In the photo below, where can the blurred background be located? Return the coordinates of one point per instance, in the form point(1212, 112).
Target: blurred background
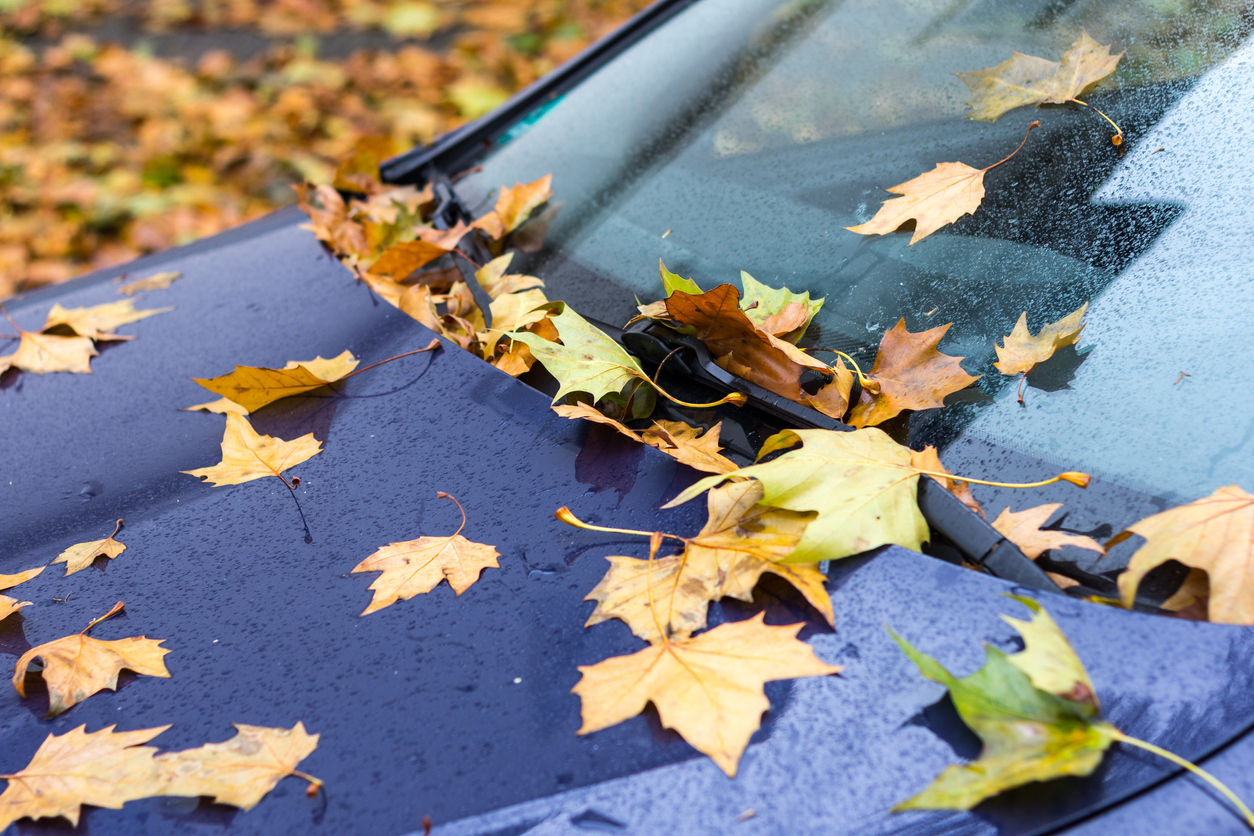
point(128, 126)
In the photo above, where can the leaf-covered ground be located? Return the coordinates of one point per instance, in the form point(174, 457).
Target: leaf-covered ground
point(128, 126)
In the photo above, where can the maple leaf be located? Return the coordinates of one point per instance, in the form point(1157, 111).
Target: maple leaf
point(1021, 352)
point(934, 199)
point(329, 221)
point(359, 171)
point(1023, 528)
point(685, 443)
point(239, 771)
point(778, 311)
point(927, 459)
point(1035, 711)
point(44, 353)
point(157, 281)
point(708, 688)
point(99, 321)
point(82, 555)
point(403, 258)
point(247, 455)
point(222, 406)
point(77, 666)
point(496, 282)
point(252, 387)
point(1214, 534)
point(738, 543)
point(104, 768)
point(672, 282)
point(8, 605)
point(1027, 80)
point(514, 206)
point(737, 345)
point(415, 567)
point(910, 373)
point(861, 483)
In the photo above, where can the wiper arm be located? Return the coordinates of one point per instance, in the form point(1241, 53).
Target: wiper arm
point(449, 211)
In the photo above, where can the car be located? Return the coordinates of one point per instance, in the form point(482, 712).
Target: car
point(719, 135)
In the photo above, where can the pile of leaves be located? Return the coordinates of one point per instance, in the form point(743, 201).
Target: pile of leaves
point(108, 152)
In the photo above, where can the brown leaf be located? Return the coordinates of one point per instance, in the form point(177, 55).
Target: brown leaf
point(239, 771)
point(329, 221)
point(927, 459)
point(253, 387)
point(82, 555)
point(157, 281)
point(247, 455)
point(1023, 528)
point(399, 260)
point(591, 413)
point(1022, 352)
point(1025, 79)
point(104, 769)
point(707, 688)
point(738, 346)
point(77, 666)
point(415, 567)
point(359, 172)
point(693, 446)
point(1214, 534)
point(911, 373)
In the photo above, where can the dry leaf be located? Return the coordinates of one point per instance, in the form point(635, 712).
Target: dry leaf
point(104, 769)
point(8, 605)
point(707, 688)
point(247, 455)
point(927, 459)
point(1023, 528)
point(911, 374)
point(1025, 79)
point(252, 387)
point(222, 406)
point(591, 413)
point(77, 666)
point(99, 321)
point(777, 311)
point(415, 567)
point(496, 282)
point(157, 281)
point(399, 260)
point(1192, 599)
point(693, 446)
point(1214, 534)
point(514, 206)
point(239, 771)
point(82, 555)
point(43, 353)
point(1022, 352)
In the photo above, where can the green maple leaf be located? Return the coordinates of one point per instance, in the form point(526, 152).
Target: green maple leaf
point(761, 302)
point(586, 360)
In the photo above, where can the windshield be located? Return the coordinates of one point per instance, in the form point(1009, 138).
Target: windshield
point(746, 135)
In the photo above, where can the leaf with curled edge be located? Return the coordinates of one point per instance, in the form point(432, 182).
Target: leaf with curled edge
point(707, 687)
point(77, 666)
point(778, 311)
point(252, 387)
point(246, 455)
point(99, 321)
point(496, 282)
point(8, 605)
point(45, 353)
point(687, 444)
point(910, 373)
point(239, 771)
point(1027, 80)
point(1021, 352)
point(81, 555)
point(515, 205)
point(1023, 528)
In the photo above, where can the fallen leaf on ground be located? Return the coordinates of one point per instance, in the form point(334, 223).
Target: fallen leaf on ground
point(82, 555)
point(77, 666)
point(708, 688)
point(247, 455)
point(777, 311)
point(222, 406)
point(514, 206)
point(239, 771)
point(44, 353)
point(104, 769)
point(415, 567)
point(252, 387)
point(1023, 528)
point(927, 459)
point(157, 281)
point(1214, 534)
point(737, 345)
point(99, 321)
point(586, 360)
point(738, 543)
point(861, 484)
point(8, 605)
point(1021, 352)
point(1035, 711)
point(1027, 80)
point(910, 373)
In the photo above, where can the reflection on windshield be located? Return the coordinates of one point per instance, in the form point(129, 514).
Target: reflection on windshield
point(754, 131)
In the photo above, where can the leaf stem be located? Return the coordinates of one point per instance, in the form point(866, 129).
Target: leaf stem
point(1115, 140)
point(1034, 125)
point(10, 319)
point(1075, 478)
point(736, 398)
point(861, 377)
point(443, 495)
point(117, 608)
point(116, 529)
point(655, 543)
point(434, 344)
point(564, 514)
point(1195, 769)
point(314, 783)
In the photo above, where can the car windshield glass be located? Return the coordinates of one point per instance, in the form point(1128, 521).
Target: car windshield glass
point(746, 135)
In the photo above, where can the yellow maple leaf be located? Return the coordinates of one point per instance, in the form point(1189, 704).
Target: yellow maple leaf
point(1027, 80)
point(77, 666)
point(253, 387)
point(222, 406)
point(1021, 352)
point(696, 447)
point(415, 567)
point(44, 353)
point(81, 555)
point(247, 455)
point(1214, 534)
point(708, 688)
point(99, 321)
point(104, 768)
point(239, 771)
point(1023, 528)
point(8, 605)
point(934, 199)
point(157, 281)
point(514, 205)
point(496, 282)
